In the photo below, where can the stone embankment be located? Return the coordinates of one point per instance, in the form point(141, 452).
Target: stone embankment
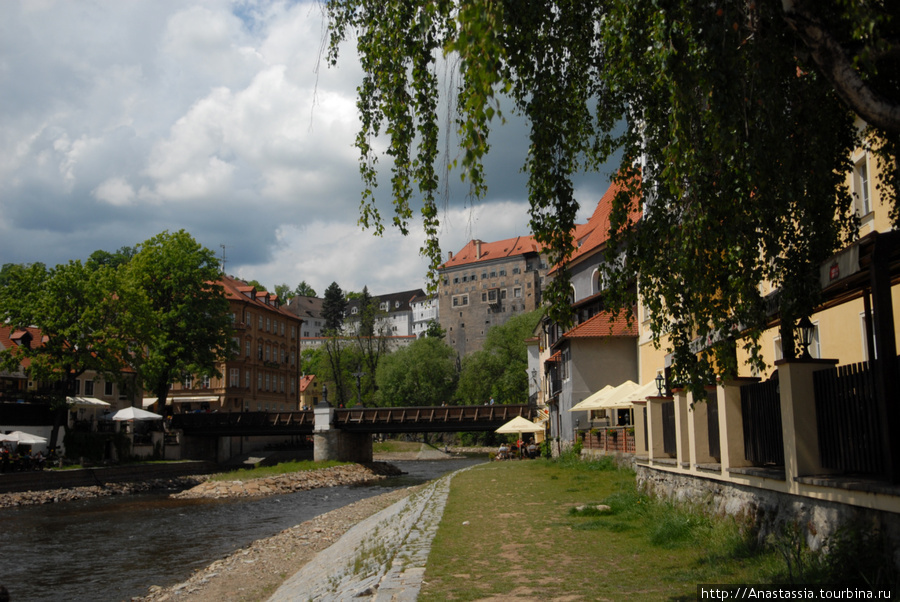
point(349, 474)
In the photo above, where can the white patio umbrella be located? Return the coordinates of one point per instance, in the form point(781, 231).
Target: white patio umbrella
point(590, 403)
point(86, 402)
point(520, 425)
point(133, 413)
point(23, 438)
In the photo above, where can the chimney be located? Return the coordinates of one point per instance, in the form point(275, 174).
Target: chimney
point(477, 249)
point(449, 255)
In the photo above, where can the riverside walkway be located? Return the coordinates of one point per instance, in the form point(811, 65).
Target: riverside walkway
point(381, 559)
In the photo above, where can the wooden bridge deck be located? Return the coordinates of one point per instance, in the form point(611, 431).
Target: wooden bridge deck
point(361, 420)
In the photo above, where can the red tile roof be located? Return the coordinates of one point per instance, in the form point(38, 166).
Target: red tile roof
point(239, 290)
point(604, 324)
point(595, 233)
point(306, 381)
point(511, 247)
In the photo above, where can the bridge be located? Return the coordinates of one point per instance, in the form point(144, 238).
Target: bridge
point(341, 433)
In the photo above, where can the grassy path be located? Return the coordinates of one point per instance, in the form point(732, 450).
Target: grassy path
point(514, 530)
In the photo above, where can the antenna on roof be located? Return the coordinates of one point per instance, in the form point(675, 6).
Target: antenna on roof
point(223, 258)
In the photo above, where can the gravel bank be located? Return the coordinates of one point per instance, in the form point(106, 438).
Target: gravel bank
point(51, 496)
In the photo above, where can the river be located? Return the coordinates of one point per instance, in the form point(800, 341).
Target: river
point(115, 548)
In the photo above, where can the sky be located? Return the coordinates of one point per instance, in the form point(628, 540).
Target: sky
point(121, 120)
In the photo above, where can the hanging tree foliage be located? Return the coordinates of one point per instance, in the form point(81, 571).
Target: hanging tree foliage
point(734, 121)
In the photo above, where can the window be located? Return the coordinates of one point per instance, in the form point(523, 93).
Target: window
point(268, 353)
point(260, 322)
point(282, 385)
point(267, 381)
point(516, 270)
point(460, 300)
point(517, 292)
point(456, 280)
point(236, 344)
point(249, 319)
point(77, 387)
point(268, 324)
point(108, 388)
point(247, 348)
point(282, 356)
point(493, 274)
point(88, 388)
point(294, 332)
point(234, 377)
point(259, 352)
point(503, 293)
point(861, 187)
point(247, 379)
point(503, 272)
point(483, 275)
point(259, 381)
point(187, 381)
point(205, 384)
point(293, 357)
point(293, 386)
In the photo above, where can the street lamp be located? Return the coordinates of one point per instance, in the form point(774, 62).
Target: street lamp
point(660, 383)
point(806, 329)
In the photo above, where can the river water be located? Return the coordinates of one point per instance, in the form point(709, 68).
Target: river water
point(115, 548)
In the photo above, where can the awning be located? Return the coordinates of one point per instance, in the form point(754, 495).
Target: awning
point(86, 402)
point(591, 402)
point(149, 401)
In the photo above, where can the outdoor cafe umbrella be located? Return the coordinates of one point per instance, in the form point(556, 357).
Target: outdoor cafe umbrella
point(23, 438)
point(133, 413)
point(520, 425)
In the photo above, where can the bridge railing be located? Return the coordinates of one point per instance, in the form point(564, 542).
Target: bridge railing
point(429, 418)
point(242, 420)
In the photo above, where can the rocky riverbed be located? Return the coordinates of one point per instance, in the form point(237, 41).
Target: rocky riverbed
point(254, 572)
point(200, 486)
point(348, 474)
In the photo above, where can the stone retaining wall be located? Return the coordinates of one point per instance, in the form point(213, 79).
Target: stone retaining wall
point(768, 511)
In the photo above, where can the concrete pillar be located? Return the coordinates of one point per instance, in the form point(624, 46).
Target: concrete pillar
point(798, 417)
point(334, 444)
point(731, 423)
point(698, 431)
point(640, 442)
point(342, 446)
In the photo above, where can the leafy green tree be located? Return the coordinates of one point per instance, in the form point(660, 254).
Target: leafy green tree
point(371, 341)
point(304, 290)
point(183, 325)
point(733, 121)
point(435, 331)
point(284, 292)
point(333, 306)
point(78, 313)
point(499, 370)
point(422, 374)
point(257, 285)
point(105, 258)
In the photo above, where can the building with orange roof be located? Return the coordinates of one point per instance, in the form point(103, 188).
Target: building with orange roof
point(485, 284)
point(263, 373)
point(310, 391)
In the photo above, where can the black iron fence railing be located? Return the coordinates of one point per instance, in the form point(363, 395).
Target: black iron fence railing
point(668, 424)
point(712, 423)
point(761, 412)
point(847, 419)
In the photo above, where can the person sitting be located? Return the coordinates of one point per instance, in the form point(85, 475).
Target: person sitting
point(503, 452)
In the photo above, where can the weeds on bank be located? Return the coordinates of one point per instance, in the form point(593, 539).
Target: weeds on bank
point(271, 471)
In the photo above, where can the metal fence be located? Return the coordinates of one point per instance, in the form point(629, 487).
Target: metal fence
point(668, 424)
point(761, 410)
point(847, 419)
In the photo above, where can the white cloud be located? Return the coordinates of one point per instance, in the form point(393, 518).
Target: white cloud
point(115, 191)
point(124, 119)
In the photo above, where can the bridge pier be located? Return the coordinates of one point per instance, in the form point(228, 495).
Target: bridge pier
point(330, 443)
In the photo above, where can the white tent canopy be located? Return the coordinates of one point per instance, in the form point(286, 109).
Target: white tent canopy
point(592, 400)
